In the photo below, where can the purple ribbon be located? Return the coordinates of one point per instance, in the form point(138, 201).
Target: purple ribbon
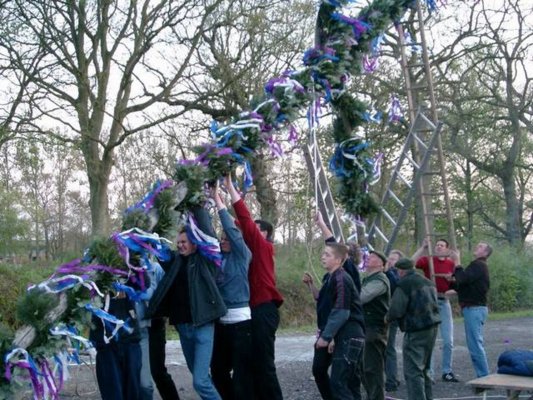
point(38, 390)
point(49, 380)
point(359, 27)
point(395, 110)
point(370, 64)
point(147, 203)
point(75, 267)
point(293, 135)
point(274, 146)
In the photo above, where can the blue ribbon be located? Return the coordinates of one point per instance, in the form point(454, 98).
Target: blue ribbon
point(248, 180)
point(131, 293)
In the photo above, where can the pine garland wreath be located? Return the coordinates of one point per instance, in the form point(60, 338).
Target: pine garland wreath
point(80, 285)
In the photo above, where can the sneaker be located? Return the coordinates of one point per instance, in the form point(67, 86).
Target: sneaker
point(449, 377)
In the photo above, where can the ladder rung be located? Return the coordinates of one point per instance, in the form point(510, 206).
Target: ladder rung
point(420, 142)
point(404, 180)
point(431, 172)
point(381, 234)
point(418, 87)
point(410, 44)
point(388, 216)
point(393, 195)
point(416, 65)
point(415, 164)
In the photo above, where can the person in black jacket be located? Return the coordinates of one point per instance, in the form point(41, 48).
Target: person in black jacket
point(353, 259)
point(193, 304)
point(341, 330)
point(472, 285)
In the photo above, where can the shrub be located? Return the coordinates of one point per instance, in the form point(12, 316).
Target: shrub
point(291, 262)
point(14, 279)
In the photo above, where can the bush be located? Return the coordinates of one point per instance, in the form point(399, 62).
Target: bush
point(511, 279)
point(291, 262)
point(14, 279)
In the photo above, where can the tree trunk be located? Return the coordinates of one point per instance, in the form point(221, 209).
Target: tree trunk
point(470, 205)
point(266, 195)
point(512, 212)
point(99, 202)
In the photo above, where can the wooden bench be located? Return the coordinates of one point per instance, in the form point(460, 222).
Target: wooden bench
point(513, 384)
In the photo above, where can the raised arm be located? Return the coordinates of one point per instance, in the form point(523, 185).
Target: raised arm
point(326, 232)
point(233, 234)
point(204, 221)
point(421, 251)
point(250, 231)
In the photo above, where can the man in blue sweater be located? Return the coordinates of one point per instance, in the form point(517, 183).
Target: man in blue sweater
point(233, 336)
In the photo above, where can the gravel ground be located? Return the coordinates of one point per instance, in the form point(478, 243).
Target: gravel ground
point(294, 355)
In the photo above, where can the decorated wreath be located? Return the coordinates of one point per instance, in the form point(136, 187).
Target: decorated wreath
point(58, 311)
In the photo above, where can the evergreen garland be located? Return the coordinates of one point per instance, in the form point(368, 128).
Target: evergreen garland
point(342, 43)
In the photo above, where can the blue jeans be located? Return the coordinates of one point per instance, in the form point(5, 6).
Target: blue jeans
point(197, 346)
point(474, 320)
point(147, 387)
point(446, 334)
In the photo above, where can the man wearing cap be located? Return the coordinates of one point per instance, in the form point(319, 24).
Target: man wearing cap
point(415, 306)
point(375, 296)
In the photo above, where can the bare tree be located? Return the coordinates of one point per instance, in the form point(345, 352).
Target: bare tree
point(490, 110)
point(102, 70)
point(251, 42)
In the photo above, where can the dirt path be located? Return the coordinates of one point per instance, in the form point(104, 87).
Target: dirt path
point(294, 355)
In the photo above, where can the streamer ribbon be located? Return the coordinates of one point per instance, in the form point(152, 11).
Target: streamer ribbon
point(207, 245)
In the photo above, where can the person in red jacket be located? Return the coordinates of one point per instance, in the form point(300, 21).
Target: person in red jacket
point(264, 297)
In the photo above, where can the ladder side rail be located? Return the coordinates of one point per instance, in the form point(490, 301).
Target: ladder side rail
point(426, 62)
point(404, 63)
point(325, 197)
point(394, 177)
point(410, 196)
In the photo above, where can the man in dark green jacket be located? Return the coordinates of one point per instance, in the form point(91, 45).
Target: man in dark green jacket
point(375, 296)
point(414, 304)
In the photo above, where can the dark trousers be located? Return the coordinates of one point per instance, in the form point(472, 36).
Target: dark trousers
point(265, 321)
point(345, 368)
point(391, 359)
point(163, 380)
point(374, 362)
point(232, 351)
point(345, 362)
point(118, 370)
point(417, 350)
point(321, 363)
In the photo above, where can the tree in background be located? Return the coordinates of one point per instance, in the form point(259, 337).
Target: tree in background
point(488, 100)
point(250, 42)
point(102, 71)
